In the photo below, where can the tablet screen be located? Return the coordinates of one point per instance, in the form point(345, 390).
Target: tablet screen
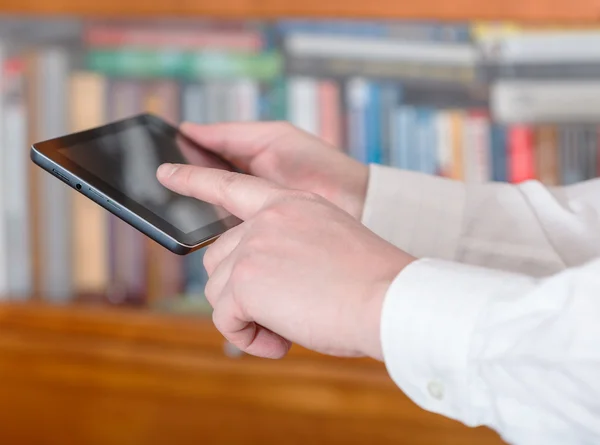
point(127, 159)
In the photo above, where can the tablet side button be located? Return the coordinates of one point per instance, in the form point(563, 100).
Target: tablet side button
point(113, 206)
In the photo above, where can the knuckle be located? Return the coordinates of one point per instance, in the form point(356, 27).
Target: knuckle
point(272, 215)
point(185, 176)
point(209, 259)
point(302, 195)
point(244, 269)
point(210, 291)
point(284, 128)
point(227, 181)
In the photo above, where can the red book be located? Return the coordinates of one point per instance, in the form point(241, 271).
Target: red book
point(182, 39)
point(521, 159)
point(598, 153)
point(330, 112)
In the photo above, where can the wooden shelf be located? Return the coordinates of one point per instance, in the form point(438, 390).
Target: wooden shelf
point(579, 11)
point(95, 376)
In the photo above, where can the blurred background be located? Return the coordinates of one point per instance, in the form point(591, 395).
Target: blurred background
point(106, 338)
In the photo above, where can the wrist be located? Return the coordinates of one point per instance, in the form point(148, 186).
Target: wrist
point(354, 191)
point(371, 344)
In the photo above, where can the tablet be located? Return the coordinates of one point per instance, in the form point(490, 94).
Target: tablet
point(115, 166)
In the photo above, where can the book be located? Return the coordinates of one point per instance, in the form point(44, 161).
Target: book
point(4, 259)
point(88, 94)
point(302, 101)
point(15, 171)
point(521, 149)
point(190, 65)
point(55, 197)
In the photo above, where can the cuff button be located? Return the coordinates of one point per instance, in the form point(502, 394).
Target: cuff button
point(436, 389)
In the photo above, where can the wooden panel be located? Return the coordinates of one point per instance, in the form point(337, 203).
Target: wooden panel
point(97, 376)
point(581, 11)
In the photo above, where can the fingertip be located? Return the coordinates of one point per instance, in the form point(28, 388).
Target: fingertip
point(165, 171)
point(187, 127)
point(269, 345)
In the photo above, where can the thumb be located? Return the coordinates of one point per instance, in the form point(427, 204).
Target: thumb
point(239, 194)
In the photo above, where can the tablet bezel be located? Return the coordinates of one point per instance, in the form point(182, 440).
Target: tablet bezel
point(50, 149)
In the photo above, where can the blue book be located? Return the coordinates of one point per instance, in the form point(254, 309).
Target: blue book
point(499, 153)
point(423, 157)
point(195, 274)
point(373, 125)
point(403, 137)
point(391, 97)
point(334, 27)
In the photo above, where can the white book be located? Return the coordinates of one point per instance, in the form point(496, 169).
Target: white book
point(55, 196)
point(302, 103)
point(357, 99)
point(443, 128)
point(559, 101)
point(247, 93)
point(544, 47)
point(193, 103)
point(373, 48)
point(3, 190)
point(476, 150)
point(16, 163)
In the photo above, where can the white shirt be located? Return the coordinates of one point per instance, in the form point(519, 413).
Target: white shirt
point(498, 323)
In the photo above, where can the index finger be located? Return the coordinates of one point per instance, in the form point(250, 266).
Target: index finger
point(241, 195)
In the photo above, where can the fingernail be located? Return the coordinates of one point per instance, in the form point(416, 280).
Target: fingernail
point(167, 170)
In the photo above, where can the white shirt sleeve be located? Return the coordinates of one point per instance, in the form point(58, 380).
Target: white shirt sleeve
point(527, 228)
point(499, 323)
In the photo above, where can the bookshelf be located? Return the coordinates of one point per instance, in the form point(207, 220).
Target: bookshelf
point(580, 11)
point(130, 377)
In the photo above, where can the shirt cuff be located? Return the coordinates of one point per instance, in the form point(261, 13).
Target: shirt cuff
point(421, 214)
point(429, 334)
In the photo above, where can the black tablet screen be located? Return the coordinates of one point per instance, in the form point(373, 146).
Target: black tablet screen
point(127, 159)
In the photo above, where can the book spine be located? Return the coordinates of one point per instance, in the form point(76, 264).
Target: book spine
point(195, 276)
point(246, 101)
point(457, 128)
point(4, 288)
point(351, 47)
point(330, 113)
point(443, 130)
point(597, 152)
point(591, 152)
point(87, 94)
point(303, 104)
point(499, 153)
point(55, 197)
point(521, 154)
point(480, 127)
point(415, 72)
point(128, 250)
point(404, 140)
point(275, 100)
point(162, 98)
point(193, 100)
point(192, 39)
point(373, 125)
point(546, 155)
point(564, 101)
point(16, 163)
point(390, 100)
point(357, 101)
point(194, 65)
